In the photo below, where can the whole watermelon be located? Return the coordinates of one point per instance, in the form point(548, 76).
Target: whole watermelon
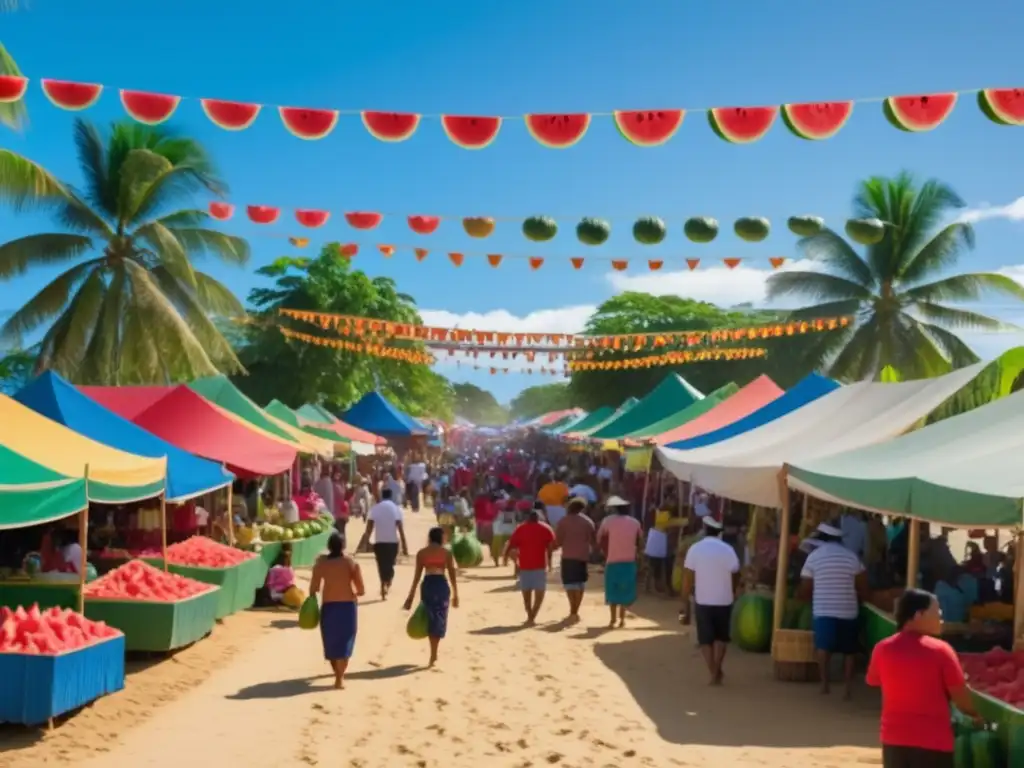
point(417, 626)
point(752, 622)
point(463, 551)
point(309, 613)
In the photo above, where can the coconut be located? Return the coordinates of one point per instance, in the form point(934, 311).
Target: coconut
point(701, 229)
point(865, 231)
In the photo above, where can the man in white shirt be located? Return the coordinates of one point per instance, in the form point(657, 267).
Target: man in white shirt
point(711, 573)
point(415, 476)
point(384, 524)
point(395, 487)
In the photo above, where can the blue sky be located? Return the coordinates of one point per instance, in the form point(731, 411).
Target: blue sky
point(480, 57)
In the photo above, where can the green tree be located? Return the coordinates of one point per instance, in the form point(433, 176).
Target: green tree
point(297, 373)
point(544, 398)
point(16, 366)
point(130, 308)
point(478, 405)
point(899, 289)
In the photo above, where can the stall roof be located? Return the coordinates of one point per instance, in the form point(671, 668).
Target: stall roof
point(53, 397)
point(191, 422)
point(552, 417)
point(684, 416)
point(317, 414)
point(590, 421)
point(569, 423)
point(115, 477)
point(627, 405)
point(31, 494)
point(746, 468)
point(375, 413)
point(963, 471)
point(672, 395)
point(325, 431)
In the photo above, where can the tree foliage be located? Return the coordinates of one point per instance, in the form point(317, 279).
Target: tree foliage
point(298, 373)
point(16, 367)
point(478, 405)
point(544, 398)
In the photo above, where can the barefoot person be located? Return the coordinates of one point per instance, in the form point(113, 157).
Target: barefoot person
point(436, 566)
point(534, 541)
point(339, 577)
point(619, 536)
point(384, 523)
point(575, 534)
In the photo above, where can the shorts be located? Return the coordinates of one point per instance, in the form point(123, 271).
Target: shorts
point(915, 757)
point(713, 623)
point(533, 581)
point(833, 635)
point(574, 575)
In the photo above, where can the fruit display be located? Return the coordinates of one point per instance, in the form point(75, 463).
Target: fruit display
point(138, 580)
point(916, 114)
point(752, 229)
point(390, 126)
point(557, 131)
point(701, 229)
point(752, 622)
point(997, 673)
point(593, 231)
point(417, 626)
point(805, 226)
point(649, 230)
point(201, 552)
point(540, 228)
point(741, 125)
point(471, 132)
point(865, 231)
point(478, 226)
point(648, 128)
point(230, 115)
point(1003, 106)
point(310, 124)
point(292, 532)
point(817, 121)
point(149, 108)
point(49, 632)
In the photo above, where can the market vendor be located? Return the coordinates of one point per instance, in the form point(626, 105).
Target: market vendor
point(60, 551)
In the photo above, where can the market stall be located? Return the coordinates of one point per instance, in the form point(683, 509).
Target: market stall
point(674, 395)
point(375, 413)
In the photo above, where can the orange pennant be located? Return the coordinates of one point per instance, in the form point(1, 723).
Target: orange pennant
point(456, 259)
point(421, 253)
point(387, 251)
point(693, 263)
point(494, 259)
point(348, 250)
point(536, 262)
point(731, 263)
point(620, 264)
point(777, 261)
point(577, 262)
point(299, 242)
point(655, 265)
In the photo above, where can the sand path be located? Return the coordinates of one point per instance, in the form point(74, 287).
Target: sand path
point(503, 696)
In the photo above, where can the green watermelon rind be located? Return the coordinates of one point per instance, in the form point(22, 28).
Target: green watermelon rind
point(805, 226)
point(537, 131)
point(700, 229)
point(540, 229)
point(620, 116)
point(793, 124)
point(732, 138)
point(753, 229)
point(593, 231)
point(866, 232)
point(903, 123)
point(992, 111)
point(751, 625)
point(649, 230)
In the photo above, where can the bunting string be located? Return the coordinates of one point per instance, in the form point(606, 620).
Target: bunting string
point(412, 356)
point(680, 357)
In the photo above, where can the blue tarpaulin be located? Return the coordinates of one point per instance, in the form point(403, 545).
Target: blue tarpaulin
point(808, 389)
point(56, 399)
point(376, 414)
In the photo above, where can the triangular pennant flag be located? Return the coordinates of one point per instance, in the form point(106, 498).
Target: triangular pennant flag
point(494, 259)
point(456, 258)
point(577, 262)
point(620, 265)
point(421, 253)
point(777, 261)
point(536, 262)
point(655, 264)
point(348, 250)
point(299, 242)
point(731, 263)
point(387, 251)
point(693, 263)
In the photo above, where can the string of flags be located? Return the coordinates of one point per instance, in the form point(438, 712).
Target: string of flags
point(412, 356)
point(670, 358)
point(643, 127)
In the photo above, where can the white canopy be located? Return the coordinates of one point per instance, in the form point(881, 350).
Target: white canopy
point(746, 467)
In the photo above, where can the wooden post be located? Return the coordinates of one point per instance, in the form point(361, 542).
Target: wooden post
point(643, 506)
point(1018, 592)
point(679, 497)
point(231, 517)
point(913, 553)
point(782, 569)
point(83, 544)
point(163, 526)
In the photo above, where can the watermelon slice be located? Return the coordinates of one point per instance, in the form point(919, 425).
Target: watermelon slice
point(363, 219)
point(741, 125)
point(71, 96)
point(348, 250)
point(557, 131)
point(391, 126)
point(816, 121)
point(312, 219)
point(310, 124)
point(471, 132)
point(916, 114)
point(230, 115)
point(424, 225)
point(1004, 106)
point(222, 211)
point(649, 128)
point(12, 88)
point(262, 214)
point(149, 108)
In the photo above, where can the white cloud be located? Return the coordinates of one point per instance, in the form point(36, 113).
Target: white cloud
point(560, 320)
point(1012, 212)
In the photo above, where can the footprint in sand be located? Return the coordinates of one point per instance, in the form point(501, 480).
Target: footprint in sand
point(554, 757)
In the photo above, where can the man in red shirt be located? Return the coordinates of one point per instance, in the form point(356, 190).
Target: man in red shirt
point(535, 542)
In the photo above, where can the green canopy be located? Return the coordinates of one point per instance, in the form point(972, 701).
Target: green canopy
point(686, 415)
point(220, 391)
point(564, 423)
point(31, 494)
point(628, 404)
point(279, 410)
point(672, 395)
point(317, 413)
point(591, 420)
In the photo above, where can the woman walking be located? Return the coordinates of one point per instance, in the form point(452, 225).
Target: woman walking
point(436, 566)
point(341, 581)
point(619, 536)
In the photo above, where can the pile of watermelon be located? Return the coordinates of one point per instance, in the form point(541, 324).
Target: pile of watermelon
point(141, 581)
point(202, 552)
point(998, 673)
point(49, 632)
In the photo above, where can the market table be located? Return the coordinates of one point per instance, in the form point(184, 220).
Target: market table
point(48, 594)
point(158, 626)
point(237, 584)
point(305, 551)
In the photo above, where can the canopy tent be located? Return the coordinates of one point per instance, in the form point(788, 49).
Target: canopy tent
point(115, 477)
point(567, 424)
point(807, 390)
point(673, 394)
point(552, 417)
point(279, 410)
point(686, 415)
point(53, 397)
point(31, 494)
point(627, 405)
point(592, 420)
point(375, 413)
point(319, 415)
point(963, 471)
point(750, 398)
point(191, 422)
point(746, 467)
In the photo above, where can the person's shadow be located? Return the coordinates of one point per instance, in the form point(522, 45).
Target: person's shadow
point(299, 686)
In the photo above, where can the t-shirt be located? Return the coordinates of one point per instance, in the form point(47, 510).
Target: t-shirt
point(484, 510)
point(417, 473)
point(289, 511)
point(583, 492)
point(621, 533)
point(202, 517)
point(713, 563)
point(575, 534)
point(657, 543)
point(553, 494)
point(532, 541)
point(72, 554)
point(833, 569)
point(916, 674)
point(324, 488)
point(385, 516)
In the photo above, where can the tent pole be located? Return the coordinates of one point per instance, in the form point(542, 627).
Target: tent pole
point(163, 525)
point(1018, 593)
point(83, 544)
point(231, 520)
point(913, 553)
point(782, 568)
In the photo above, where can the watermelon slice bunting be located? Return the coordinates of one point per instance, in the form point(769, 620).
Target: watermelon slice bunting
point(230, 115)
point(916, 114)
point(12, 88)
point(558, 131)
point(391, 126)
point(471, 132)
point(71, 96)
point(262, 214)
point(817, 121)
point(309, 124)
point(363, 219)
point(741, 125)
point(424, 225)
point(149, 108)
point(348, 250)
point(1004, 106)
point(312, 219)
point(222, 211)
point(649, 127)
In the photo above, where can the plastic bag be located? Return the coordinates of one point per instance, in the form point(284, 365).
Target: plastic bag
point(418, 626)
point(309, 613)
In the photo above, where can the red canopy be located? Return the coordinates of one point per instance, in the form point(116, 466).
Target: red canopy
point(352, 433)
point(184, 418)
point(752, 397)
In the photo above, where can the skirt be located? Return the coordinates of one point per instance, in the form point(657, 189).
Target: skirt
point(485, 533)
point(620, 583)
point(338, 627)
point(498, 542)
point(385, 553)
point(436, 595)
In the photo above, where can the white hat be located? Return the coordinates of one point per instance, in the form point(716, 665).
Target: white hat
point(809, 545)
point(616, 501)
point(829, 530)
point(711, 522)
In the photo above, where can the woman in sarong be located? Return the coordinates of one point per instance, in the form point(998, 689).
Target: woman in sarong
point(341, 580)
point(436, 567)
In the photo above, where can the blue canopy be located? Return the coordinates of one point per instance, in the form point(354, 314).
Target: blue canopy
point(376, 414)
point(187, 476)
point(808, 389)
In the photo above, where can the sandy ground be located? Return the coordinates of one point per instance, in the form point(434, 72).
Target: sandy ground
point(257, 693)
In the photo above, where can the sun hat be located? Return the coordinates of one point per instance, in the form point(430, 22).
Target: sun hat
point(616, 501)
point(711, 522)
point(829, 530)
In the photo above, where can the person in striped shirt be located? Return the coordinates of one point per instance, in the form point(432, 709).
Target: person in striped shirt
point(834, 579)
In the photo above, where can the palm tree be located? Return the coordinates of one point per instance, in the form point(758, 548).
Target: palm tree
point(12, 115)
point(899, 291)
point(130, 308)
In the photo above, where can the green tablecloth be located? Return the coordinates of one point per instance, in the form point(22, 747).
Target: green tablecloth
point(306, 551)
point(237, 584)
point(46, 594)
point(152, 626)
point(269, 553)
point(878, 625)
point(1010, 724)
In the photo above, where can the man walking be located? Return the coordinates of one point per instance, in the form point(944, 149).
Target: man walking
point(575, 534)
point(384, 523)
point(534, 541)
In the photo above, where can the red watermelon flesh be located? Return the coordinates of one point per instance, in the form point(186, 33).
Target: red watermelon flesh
point(230, 115)
point(558, 131)
point(206, 553)
point(424, 225)
point(71, 96)
point(149, 108)
point(308, 124)
point(262, 214)
point(12, 88)
point(1004, 106)
point(138, 580)
point(222, 211)
point(49, 632)
point(471, 132)
point(649, 127)
point(348, 250)
point(363, 219)
point(816, 121)
point(741, 125)
point(391, 126)
point(312, 219)
point(916, 114)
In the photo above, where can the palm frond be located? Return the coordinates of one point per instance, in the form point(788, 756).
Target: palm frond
point(24, 183)
point(16, 256)
point(48, 303)
point(100, 363)
point(216, 298)
point(938, 253)
point(841, 308)
point(859, 356)
point(953, 347)
point(173, 183)
point(198, 241)
point(92, 158)
point(967, 287)
point(139, 171)
point(830, 249)
point(815, 286)
point(64, 345)
point(953, 317)
point(168, 250)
